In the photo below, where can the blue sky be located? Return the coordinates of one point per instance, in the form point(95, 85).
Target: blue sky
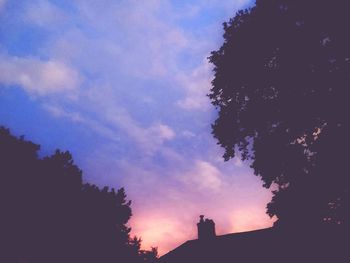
point(122, 85)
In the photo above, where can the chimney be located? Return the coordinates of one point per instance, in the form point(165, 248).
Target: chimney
point(206, 228)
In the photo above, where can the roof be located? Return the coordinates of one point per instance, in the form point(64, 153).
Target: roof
point(219, 248)
point(265, 245)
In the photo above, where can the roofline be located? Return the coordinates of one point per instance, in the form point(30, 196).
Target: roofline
point(220, 236)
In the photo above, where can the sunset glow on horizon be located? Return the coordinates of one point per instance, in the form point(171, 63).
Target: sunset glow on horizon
point(122, 85)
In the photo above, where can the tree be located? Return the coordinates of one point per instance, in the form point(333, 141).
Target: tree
point(281, 85)
point(49, 215)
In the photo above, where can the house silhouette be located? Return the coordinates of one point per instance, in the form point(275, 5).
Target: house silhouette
point(264, 245)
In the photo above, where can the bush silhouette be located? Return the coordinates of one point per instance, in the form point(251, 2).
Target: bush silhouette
point(49, 215)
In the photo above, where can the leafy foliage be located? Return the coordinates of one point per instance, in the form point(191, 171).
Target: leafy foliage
point(49, 215)
point(282, 79)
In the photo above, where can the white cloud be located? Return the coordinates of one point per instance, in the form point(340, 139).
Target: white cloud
point(44, 14)
point(37, 76)
point(2, 5)
point(196, 84)
point(188, 134)
point(148, 38)
point(77, 118)
point(203, 176)
point(237, 162)
point(162, 131)
point(148, 139)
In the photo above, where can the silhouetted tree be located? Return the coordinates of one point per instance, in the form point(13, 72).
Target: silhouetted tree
point(282, 79)
point(49, 215)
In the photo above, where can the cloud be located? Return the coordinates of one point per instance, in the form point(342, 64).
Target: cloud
point(237, 162)
point(37, 76)
point(147, 38)
point(188, 134)
point(76, 117)
point(162, 131)
point(203, 176)
point(2, 5)
point(196, 84)
point(149, 227)
point(248, 218)
point(44, 14)
point(148, 139)
point(175, 201)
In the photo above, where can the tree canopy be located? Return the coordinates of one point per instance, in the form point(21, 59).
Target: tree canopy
point(281, 85)
point(49, 215)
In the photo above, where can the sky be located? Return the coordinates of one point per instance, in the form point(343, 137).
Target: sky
point(122, 85)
